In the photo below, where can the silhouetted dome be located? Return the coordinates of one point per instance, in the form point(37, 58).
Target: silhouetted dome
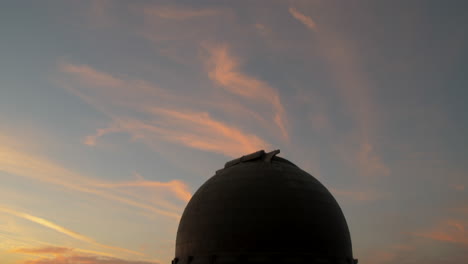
point(262, 209)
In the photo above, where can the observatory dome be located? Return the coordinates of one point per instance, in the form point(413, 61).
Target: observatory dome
point(261, 208)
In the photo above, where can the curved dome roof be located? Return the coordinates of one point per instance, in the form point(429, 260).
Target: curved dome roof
point(262, 208)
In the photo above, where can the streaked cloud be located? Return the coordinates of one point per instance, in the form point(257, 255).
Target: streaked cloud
point(389, 254)
point(99, 13)
point(43, 250)
point(355, 91)
point(357, 195)
point(207, 133)
point(90, 76)
point(196, 130)
point(35, 167)
point(451, 231)
point(179, 12)
point(179, 188)
point(306, 20)
point(458, 187)
point(262, 29)
point(84, 259)
point(370, 163)
point(54, 250)
point(223, 69)
point(123, 101)
point(363, 157)
point(320, 122)
point(62, 255)
point(63, 230)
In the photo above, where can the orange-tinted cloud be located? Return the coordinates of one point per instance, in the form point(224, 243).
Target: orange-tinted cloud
point(458, 187)
point(355, 91)
point(306, 20)
point(179, 188)
point(99, 13)
point(63, 230)
point(43, 250)
point(388, 254)
point(264, 30)
point(370, 163)
point(320, 122)
point(91, 140)
point(194, 130)
point(62, 255)
point(363, 158)
point(27, 165)
point(180, 13)
point(83, 259)
point(206, 133)
point(452, 231)
point(223, 70)
point(121, 100)
point(90, 76)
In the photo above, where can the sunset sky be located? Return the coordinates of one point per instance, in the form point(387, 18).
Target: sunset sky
point(113, 113)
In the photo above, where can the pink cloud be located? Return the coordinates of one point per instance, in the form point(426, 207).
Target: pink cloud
point(63, 230)
point(320, 122)
point(83, 259)
point(180, 13)
point(306, 20)
point(63, 255)
point(370, 163)
point(388, 254)
point(223, 70)
point(451, 231)
point(43, 250)
point(355, 90)
point(91, 76)
point(35, 167)
point(208, 133)
point(458, 187)
point(179, 188)
point(121, 100)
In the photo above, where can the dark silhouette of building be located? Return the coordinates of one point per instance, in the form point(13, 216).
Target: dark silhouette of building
point(261, 208)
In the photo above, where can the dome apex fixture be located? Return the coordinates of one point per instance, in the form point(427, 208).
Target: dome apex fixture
point(261, 208)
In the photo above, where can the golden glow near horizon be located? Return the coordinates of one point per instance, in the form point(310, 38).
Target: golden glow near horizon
point(113, 113)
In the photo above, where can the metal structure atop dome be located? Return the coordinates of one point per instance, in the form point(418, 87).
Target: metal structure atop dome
point(261, 208)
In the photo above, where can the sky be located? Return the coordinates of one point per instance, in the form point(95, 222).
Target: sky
point(113, 113)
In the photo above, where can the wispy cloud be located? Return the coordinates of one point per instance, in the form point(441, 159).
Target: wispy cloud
point(62, 255)
point(179, 12)
point(458, 187)
point(369, 162)
point(90, 76)
point(306, 20)
point(63, 230)
point(35, 167)
point(451, 231)
point(224, 70)
point(207, 133)
point(262, 29)
point(355, 91)
point(42, 250)
point(100, 15)
point(84, 259)
point(389, 254)
point(179, 188)
point(356, 95)
point(53, 250)
point(131, 107)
